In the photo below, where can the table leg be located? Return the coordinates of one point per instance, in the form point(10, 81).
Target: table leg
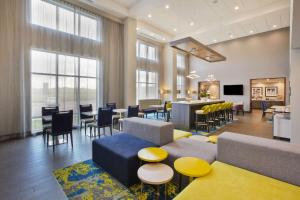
point(166, 190)
point(158, 192)
point(142, 185)
point(180, 177)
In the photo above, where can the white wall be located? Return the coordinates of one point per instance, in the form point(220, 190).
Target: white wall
point(263, 55)
point(295, 72)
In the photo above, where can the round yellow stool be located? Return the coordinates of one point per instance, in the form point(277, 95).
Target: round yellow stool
point(152, 154)
point(191, 167)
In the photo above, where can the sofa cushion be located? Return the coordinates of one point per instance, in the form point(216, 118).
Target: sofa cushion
point(276, 159)
point(191, 148)
point(178, 134)
point(118, 156)
point(229, 182)
point(157, 132)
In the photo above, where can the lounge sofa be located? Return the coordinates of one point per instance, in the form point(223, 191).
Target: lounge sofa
point(146, 103)
point(249, 168)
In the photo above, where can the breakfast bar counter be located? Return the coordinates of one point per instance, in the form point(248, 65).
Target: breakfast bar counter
point(183, 112)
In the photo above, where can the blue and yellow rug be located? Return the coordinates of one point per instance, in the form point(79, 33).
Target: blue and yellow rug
point(88, 181)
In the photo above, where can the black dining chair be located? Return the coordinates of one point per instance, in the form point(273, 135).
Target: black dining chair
point(133, 111)
point(62, 124)
point(104, 120)
point(163, 111)
point(115, 116)
point(84, 118)
point(47, 118)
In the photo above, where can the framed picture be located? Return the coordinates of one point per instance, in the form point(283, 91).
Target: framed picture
point(257, 91)
point(271, 91)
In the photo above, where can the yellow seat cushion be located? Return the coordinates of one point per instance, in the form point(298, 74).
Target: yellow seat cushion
point(227, 182)
point(213, 139)
point(178, 134)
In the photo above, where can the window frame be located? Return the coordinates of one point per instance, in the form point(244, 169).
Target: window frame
point(57, 76)
point(75, 12)
point(147, 83)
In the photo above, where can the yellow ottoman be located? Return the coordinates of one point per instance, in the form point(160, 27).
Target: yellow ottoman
point(178, 134)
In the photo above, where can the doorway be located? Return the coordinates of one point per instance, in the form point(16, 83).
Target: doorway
point(270, 90)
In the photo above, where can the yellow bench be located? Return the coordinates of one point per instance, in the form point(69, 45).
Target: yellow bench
point(227, 182)
point(178, 134)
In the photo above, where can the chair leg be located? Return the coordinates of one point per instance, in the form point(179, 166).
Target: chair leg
point(53, 145)
point(104, 130)
point(110, 128)
point(99, 133)
point(85, 128)
point(47, 140)
point(71, 135)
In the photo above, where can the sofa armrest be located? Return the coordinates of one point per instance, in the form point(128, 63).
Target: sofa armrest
point(276, 159)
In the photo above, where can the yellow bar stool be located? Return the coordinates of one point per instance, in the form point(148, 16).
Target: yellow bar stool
point(202, 117)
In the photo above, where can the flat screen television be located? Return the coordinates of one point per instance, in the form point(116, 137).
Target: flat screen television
point(233, 90)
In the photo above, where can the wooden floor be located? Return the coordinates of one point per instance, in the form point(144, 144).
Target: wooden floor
point(26, 165)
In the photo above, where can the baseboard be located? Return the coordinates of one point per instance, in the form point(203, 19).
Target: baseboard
point(14, 136)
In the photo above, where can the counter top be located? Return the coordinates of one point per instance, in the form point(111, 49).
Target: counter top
point(198, 102)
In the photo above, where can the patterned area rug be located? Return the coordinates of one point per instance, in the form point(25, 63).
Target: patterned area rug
point(87, 181)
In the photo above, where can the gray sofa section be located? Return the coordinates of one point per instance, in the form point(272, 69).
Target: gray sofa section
point(192, 148)
point(276, 159)
point(157, 132)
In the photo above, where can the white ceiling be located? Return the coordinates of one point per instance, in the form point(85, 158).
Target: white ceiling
point(214, 20)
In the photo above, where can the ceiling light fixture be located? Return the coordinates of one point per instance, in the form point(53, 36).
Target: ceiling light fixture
point(274, 26)
point(137, 28)
point(236, 8)
point(231, 36)
point(163, 39)
point(167, 6)
point(149, 15)
point(175, 29)
point(192, 23)
point(251, 31)
point(214, 40)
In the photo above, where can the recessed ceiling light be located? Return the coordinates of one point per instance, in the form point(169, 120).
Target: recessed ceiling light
point(192, 23)
point(236, 8)
point(149, 15)
point(167, 6)
point(207, 58)
point(214, 40)
point(231, 36)
point(175, 29)
point(163, 39)
point(251, 31)
point(137, 28)
point(274, 26)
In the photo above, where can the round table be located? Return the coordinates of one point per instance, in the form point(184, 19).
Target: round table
point(120, 111)
point(152, 154)
point(191, 167)
point(155, 174)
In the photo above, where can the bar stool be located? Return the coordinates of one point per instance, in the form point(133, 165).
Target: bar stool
point(222, 117)
point(202, 117)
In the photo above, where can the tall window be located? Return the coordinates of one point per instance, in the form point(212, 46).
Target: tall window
point(54, 15)
point(62, 80)
point(146, 84)
point(181, 76)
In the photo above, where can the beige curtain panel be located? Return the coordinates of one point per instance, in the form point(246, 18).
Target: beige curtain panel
point(18, 36)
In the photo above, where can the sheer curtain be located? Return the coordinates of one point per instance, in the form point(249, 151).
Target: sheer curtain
point(20, 32)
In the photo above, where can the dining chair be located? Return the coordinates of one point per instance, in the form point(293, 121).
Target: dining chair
point(62, 124)
point(133, 111)
point(46, 123)
point(164, 111)
point(86, 119)
point(115, 116)
point(104, 120)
